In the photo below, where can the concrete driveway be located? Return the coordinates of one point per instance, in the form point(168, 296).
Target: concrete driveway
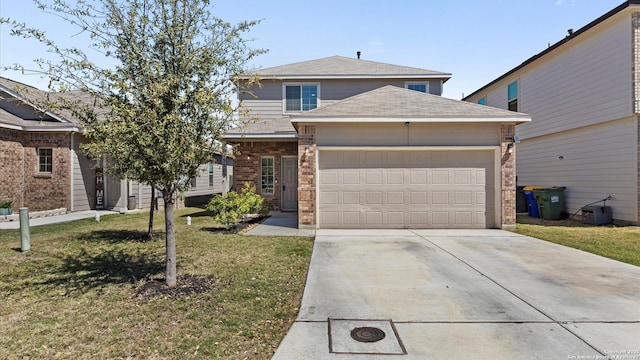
point(462, 294)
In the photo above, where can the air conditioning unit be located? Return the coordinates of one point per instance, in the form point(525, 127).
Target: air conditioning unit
point(597, 215)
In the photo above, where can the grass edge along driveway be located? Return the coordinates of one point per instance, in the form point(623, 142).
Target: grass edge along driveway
point(620, 243)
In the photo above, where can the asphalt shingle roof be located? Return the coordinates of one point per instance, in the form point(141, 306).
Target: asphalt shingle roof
point(271, 126)
point(345, 67)
point(395, 102)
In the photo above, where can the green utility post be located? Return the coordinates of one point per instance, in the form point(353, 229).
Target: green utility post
point(25, 237)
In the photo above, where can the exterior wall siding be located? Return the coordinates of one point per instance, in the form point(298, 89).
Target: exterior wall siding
point(583, 98)
point(84, 178)
point(586, 81)
point(47, 191)
point(246, 165)
point(591, 162)
point(267, 100)
point(12, 173)
point(416, 134)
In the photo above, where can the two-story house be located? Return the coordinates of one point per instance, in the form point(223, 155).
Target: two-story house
point(351, 143)
point(584, 97)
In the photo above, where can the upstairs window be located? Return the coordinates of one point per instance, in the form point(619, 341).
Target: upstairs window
point(301, 97)
point(512, 96)
point(422, 87)
point(482, 101)
point(193, 182)
point(45, 160)
point(266, 175)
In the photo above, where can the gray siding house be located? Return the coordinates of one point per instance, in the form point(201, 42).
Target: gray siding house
point(352, 143)
point(584, 97)
point(44, 169)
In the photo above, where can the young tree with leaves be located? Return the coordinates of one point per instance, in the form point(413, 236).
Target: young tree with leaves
point(155, 114)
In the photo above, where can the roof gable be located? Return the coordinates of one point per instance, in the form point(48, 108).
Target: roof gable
point(391, 103)
point(345, 67)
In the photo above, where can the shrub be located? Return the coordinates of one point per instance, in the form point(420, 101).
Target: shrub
point(6, 204)
point(230, 208)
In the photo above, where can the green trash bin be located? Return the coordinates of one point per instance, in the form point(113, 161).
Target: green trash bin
point(550, 202)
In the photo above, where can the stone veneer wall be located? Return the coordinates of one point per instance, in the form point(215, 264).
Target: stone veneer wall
point(508, 172)
point(246, 165)
point(307, 176)
point(20, 181)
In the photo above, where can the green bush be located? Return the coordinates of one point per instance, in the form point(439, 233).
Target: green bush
point(230, 208)
point(6, 204)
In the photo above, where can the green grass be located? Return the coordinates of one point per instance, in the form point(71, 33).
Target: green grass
point(618, 243)
point(90, 290)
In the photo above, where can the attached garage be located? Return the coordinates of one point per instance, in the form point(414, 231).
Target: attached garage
point(397, 158)
point(406, 188)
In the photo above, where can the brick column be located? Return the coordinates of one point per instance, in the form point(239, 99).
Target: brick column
point(307, 176)
point(508, 174)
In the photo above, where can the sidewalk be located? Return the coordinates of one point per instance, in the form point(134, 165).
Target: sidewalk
point(281, 224)
point(55, 219)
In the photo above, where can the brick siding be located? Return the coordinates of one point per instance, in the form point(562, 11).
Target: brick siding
point(20, 181)
point(246, 165)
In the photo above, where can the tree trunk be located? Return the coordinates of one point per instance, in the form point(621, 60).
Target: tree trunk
point(151, 210)
point(171, 276)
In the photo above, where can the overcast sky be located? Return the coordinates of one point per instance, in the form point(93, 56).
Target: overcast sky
point(474, 40)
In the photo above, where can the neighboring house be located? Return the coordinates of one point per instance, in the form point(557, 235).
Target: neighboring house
point(351, 143)
point(43, 168)
point(584, 96)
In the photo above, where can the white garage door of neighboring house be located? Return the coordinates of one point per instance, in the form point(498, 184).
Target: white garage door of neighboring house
point(406, 189)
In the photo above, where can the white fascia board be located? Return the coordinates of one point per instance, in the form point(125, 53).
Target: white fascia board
point(408, 148)
point(319, 120)
point(41, 128)
point(363, 76)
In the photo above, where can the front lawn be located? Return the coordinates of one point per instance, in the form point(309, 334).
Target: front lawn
point(93, 290)
point(618, 243)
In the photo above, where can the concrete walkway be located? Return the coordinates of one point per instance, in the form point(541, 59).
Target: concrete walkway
point(476, 294)
point(56, 219)
point(281, 224)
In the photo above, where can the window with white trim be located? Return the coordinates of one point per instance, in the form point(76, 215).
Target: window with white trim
point(211, 174)
point(45, 160)
point(266, 175)
point(512, 96)
point(418, 86)
point(300, 97)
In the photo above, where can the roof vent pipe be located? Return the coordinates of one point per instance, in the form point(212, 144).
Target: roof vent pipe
point(570, 32)
point(358, 53)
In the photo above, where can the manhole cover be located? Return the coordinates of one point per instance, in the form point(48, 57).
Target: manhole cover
point(367, 334)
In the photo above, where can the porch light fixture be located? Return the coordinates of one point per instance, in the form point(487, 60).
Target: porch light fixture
point(510, 148)
point(248, 157)
point(306, 149)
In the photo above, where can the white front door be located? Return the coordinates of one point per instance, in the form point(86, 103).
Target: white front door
point(289, 185)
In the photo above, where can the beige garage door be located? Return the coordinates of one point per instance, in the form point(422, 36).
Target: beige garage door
point(406, 189)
